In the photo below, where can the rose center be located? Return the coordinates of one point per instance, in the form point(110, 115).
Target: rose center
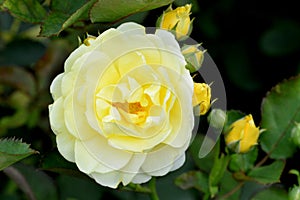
point(136, 111)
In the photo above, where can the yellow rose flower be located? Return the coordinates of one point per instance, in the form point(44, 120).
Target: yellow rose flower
point(201, 97)
point(122, 107)
point(243, 135)
point(178, 20)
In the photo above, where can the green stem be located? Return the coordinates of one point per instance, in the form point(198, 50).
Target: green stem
point(152, 186)
point(20, 180)
point(136, 188)
point(262, 161)
point(235, 189)
point(15, 26)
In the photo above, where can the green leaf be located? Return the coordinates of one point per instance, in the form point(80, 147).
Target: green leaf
point(82, 11)
point(67, 6)
point(280, 111)
point(193, 179)
point(228, 185)
point(113, 10)
point(243, 162)
point(268, 174)
point(217, 172)
point(53, 24)
point(64, 14)
point(274, 193)
point(26, 10)
point(251, 188)
point(12, 151)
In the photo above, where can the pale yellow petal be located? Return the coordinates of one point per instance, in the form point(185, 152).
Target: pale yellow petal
point(74, 56)
point(140, 178)
point(160, 161)
point(66, 146)
point(132, 28)
point(55, 87)
point(178, 162)
point(109, 179)
point(56, 117)
point(68, 83)
point(86, 162)
point(69, 118)
point(105, 154)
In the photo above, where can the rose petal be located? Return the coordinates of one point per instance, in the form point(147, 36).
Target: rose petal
point(134, 28)
point(68, 83)
point(56, 117)
point(69, 116)
point(110, 179)
point(178, 162)
point(133, 166)
point(74, 56)
point(169, 41)
point(55, 87)
point(86, 162)
point(105, 154)
point(66, 146)
point(140, 178)
point(160, 161)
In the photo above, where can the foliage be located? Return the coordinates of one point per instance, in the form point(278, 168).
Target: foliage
point(35, 38)
point(12, 151)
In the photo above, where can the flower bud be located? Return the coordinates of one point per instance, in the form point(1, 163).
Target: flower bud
point(217, 118)
point(295, 134)
point(178, 20)
point(201, 97)
point(243, 135)
point(294, 193)
point(193, 56)
point(88, 40)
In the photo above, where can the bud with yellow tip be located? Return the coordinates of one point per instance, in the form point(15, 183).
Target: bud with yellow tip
point(193, 56)
point(243, 135)
point(177, 20)
point(201, 97)
point(88, 40)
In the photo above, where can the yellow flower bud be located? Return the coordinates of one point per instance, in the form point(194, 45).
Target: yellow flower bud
point(193, 56)
point(178, 20)
point(88, 40)
point(243, 135)
point(201, 97)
